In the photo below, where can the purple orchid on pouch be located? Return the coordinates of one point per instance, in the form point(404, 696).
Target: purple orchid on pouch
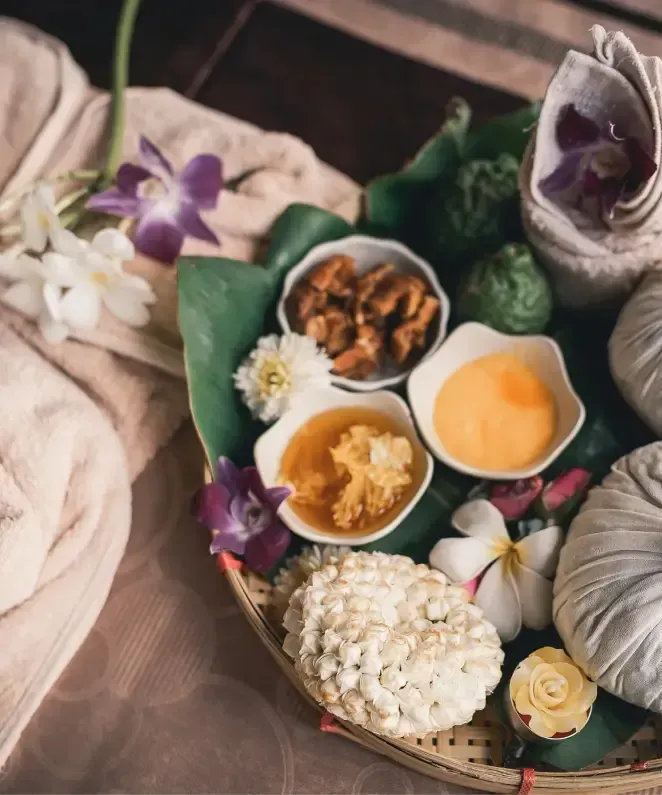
point(166, 205)
point(598, 162)
point(242, 515)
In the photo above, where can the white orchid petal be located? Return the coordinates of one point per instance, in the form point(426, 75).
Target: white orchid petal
point(18, 268)
point(34, 225)
point(480, 519)
point(44, 197)
point(26, 296)
point(461, 559)
point(81, 307)
point(141, 286)
point(113, 243)
point(540, 551)
point(51, 295)
point(66, 243)
point(61, 270)
point(497, 596)
point(535, 595)
point(126, 306)
point(53, 330)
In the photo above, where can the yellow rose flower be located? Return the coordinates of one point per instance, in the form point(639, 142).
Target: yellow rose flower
point(550, 689)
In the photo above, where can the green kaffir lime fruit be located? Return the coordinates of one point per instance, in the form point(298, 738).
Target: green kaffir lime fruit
point(507, 291)
point(474, 216)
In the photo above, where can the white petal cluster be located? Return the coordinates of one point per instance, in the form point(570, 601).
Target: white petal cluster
point(65, 288)
point(279, 370)
point(298, 569)
point(391, 646)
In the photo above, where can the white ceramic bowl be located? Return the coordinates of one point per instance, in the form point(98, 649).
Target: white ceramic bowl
point(471, 341)
point(368, 252)
point(271, 446)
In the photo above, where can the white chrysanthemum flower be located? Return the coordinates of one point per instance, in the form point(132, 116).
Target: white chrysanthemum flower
point(391, 646)
point(278, 370)
point(298, 569)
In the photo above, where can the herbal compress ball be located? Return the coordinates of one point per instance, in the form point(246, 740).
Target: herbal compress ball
point(608, 587)
point(635, 351)
point(391, 646)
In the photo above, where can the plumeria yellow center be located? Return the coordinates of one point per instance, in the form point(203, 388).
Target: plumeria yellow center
point(44, 219)
point(274, 377)
point(504, 546)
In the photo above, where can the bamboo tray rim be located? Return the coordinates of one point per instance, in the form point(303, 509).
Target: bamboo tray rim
point(619, 779)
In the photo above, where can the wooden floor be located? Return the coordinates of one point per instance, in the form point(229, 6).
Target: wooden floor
point(363, 109)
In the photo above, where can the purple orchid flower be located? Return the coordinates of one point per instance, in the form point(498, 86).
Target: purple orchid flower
point(599, 163)
point(167, 205)
point(241, 514)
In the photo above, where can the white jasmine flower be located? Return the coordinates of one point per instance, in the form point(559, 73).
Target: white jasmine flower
point(278, 370)
point(37, 289)
point(102, 281)
point(516, 589)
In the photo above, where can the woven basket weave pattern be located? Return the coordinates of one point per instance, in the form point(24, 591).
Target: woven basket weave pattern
point(471, 755)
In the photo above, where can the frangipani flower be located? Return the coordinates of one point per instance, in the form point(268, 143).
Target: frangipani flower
point(101, 280)
point(241, 514)
point(278, 370)
point(167, 205)
point(597, 162)
point(514, 589)
point(551, 693)
point(37, 289)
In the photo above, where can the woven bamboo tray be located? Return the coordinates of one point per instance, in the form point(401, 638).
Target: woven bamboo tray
point(469, 756)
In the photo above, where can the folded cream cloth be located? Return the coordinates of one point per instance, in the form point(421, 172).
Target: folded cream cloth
point(594, 262)
point(80, 420)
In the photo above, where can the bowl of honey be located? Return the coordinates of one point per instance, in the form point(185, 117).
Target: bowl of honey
point(354, 463)
point(493, 405)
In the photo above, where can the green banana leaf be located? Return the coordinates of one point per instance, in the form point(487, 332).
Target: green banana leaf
point(224, 306)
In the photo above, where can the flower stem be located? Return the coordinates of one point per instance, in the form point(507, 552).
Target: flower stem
point(120, 80)
point(80, 175)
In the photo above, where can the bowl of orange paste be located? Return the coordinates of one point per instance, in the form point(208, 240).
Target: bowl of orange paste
point(493, 405)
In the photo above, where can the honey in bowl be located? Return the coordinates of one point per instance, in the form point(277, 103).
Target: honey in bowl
point(495, 414)
point(352, 469)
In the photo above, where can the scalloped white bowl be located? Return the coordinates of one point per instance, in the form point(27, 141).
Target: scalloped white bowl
point(271, 446)
point(368, 252)
point(471, 341)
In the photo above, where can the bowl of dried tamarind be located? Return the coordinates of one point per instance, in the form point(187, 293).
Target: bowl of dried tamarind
point(374, 306)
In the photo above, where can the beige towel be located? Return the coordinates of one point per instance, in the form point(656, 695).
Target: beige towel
point(594, 262)
point(81, 420)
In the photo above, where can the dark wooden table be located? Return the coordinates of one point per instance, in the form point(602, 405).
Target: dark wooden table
point(363, 109)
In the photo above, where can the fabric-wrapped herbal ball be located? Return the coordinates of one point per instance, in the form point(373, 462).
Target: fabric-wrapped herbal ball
point(608, 587)
point(476, 215)
point(391, 646)
point(508, 292)
point(635, 351)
